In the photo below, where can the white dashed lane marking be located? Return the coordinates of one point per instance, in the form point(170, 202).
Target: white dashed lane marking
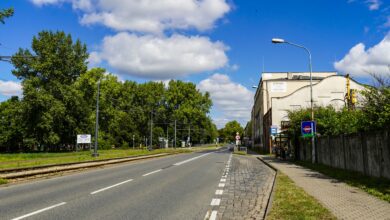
point(39, 211)
point(156, 171)
point(191, 159)
point(215, 202)
point(219, 192)
point(221, 185)
point(112, 186)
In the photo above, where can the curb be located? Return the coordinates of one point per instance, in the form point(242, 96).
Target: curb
point(33, 171)
point(268, 201)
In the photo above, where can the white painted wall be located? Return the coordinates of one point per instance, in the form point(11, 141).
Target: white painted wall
point(329, 91)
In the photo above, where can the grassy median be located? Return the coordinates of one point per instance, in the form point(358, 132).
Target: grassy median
point(21, 160)
point(292, 202)
point(378, 187)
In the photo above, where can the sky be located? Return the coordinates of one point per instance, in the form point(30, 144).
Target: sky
point(222, 46)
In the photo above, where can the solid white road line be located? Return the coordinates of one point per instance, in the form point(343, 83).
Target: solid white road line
point(156, 171)
point(219, 192)
point(109, 187)
point(191, 159)
point(213, 215)
point(39, 211)
point(215, 202)
point(221, 185)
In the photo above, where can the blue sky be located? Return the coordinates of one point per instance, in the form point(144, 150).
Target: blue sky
point(221, 45)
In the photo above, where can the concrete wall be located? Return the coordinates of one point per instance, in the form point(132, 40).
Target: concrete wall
point(367, 153)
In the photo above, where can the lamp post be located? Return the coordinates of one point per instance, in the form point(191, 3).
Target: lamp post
point(282, 41)
point(95, 154)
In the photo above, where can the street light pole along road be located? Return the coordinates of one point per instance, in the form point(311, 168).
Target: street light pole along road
point(282, 41)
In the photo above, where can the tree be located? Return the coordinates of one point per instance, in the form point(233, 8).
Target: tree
point(6, 13)
point(228, 133)
point(11, 131)
point(53, 108)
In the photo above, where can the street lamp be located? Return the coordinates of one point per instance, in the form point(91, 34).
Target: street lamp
point(281, 41)
point(95, 153)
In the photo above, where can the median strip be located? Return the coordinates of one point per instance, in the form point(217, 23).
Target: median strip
point(59, 168)
point(39, 211)
point(109, 187)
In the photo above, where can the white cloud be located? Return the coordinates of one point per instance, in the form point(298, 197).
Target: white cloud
point(161, 57)
point(373, 4)
point(10, 88)
point(148, 16)
point(361, 61)
point(231, 99)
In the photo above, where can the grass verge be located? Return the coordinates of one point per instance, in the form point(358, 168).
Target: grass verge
point(378, 187)
point(292, 202)
point(240, 152)
point(3, 181)
point(21, 160)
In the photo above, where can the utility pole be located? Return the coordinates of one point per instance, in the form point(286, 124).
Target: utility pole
point(167, 138)
point(175, 136)
point(189, 135)
point(95, 154)
point(151, 130)
point(133, 141)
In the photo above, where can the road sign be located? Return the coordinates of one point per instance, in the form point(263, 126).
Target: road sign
point(83, 139)
point(308, 128)
point(274, 130)
point(237, 137)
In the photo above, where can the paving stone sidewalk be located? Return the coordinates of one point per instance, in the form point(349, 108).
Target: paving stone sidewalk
point(344, 201)
point(247, 189)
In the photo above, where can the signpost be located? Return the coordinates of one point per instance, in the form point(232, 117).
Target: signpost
point(274, 130)
point(237, 139)
point(308, 128)
point(83, 139)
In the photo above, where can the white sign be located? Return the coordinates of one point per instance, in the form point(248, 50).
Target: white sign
point(238, 137)
point(278, 87)
point(83, 138)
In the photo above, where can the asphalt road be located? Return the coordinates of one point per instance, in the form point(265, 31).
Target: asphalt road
point(174, 187)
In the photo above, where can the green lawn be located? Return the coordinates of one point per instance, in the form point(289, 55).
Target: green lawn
point(19, 160)
point(292, 202)
point(378, 187)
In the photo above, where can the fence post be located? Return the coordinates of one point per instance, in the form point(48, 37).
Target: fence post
point(345, 156)
point(364, 154)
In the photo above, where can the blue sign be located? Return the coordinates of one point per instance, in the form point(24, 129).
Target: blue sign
point(308, 128)
point(274, 130)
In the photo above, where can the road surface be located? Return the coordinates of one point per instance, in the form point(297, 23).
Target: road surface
point(173, 187)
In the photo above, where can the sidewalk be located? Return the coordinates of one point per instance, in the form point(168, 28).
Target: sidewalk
point(344, 201)
point(247, 189)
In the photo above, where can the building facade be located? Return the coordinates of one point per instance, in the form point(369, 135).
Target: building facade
point(280, 92)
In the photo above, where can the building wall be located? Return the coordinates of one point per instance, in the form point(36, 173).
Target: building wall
point(277, 84)
point(330, 91)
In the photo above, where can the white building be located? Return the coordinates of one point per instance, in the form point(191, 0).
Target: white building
point(278, 93)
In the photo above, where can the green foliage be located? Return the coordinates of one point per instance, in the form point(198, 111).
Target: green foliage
point(228, 133)
point(53, 110)
point(376, 110)
point(59, 98)
point(6, 13)
point(329, 121)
